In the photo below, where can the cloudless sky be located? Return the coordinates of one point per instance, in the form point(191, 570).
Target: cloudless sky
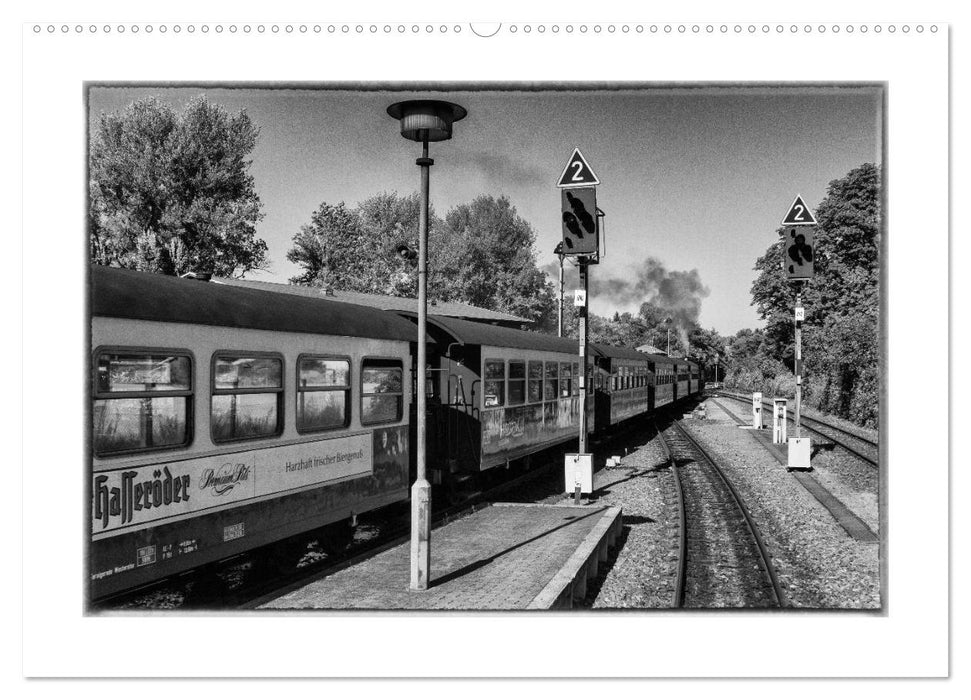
point(697, 177)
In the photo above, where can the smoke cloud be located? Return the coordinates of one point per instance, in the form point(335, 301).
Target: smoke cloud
point(500, 168)
point(676, 293)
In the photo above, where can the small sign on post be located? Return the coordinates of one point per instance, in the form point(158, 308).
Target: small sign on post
point(577, 172)
point(580, 297)
point(779, 421)
point(757, 410)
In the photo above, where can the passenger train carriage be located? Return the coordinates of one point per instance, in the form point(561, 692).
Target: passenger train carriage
point(663, 369)
point(224, 419)
point(622, 386)
point(502, 393)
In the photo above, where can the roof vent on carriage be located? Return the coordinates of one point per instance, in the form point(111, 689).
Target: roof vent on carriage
point(197, 275)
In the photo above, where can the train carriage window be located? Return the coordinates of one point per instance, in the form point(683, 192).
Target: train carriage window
point(566, 379)
point(517, 382)
point(323, 393)
point(614, 381)
point(494, 383)
point(551, 388)
point(142, 401)
point(382, 393)
point(534, 391)
point(247, 397)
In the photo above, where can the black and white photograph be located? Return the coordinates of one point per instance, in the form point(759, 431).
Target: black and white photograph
point(650, 347)
point(393, 344)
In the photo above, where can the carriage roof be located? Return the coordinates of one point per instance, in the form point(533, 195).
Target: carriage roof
point(120, 293)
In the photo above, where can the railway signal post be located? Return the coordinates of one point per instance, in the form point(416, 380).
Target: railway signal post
point(797, 261)
point(558, 252)
point(423, 121)
point(581, 240)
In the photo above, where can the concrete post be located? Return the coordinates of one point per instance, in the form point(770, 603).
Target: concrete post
point(421, 491)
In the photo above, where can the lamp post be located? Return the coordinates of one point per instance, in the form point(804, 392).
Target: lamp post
point(423, 121)
point(558, 251)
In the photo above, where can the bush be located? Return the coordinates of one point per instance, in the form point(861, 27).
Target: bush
point(782, 386)
point(864, 408)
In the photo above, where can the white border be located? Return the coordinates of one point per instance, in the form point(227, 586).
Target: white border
point(910, 640)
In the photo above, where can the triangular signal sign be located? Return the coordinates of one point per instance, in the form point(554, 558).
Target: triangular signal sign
point(577, 172)
point(798, 214)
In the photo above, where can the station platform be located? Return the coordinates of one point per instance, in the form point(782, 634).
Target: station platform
point(508, 556)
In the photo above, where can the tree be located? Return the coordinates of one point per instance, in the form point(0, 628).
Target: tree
point(328, 248)
point(487, 259)
point(706, 346)
point(481, 254)
point(172, 193)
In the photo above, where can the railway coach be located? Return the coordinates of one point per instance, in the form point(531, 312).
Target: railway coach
point(624, 391)
point(695, 378)
point(501, 394)
point(662, 390)
point(682, 373)
point(223, 419)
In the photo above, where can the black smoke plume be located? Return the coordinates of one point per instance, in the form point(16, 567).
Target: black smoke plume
point(676, 293)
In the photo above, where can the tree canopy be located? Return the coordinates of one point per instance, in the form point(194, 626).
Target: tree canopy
point(480, 254)
point(171, 192)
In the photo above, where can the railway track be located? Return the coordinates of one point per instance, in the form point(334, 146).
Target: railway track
point(860, 446)
point(723, 561)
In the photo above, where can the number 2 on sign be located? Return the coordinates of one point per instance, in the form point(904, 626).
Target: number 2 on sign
point(578, 166)
point(799, 217)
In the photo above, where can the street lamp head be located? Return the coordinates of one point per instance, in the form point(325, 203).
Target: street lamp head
point(426, 120)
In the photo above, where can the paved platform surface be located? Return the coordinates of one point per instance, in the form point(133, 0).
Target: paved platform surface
point(504, 557)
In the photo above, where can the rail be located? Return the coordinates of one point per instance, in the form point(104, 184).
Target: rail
point(764, 556)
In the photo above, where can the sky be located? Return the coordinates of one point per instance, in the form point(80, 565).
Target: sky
point(697, 177)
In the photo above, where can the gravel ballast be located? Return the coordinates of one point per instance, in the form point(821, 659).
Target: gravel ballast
point(820, 565)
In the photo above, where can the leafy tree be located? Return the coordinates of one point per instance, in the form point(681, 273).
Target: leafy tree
point(481, 254)
point(357, 249)
point(487, 259)
point(171, 192)
point(706, 346)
